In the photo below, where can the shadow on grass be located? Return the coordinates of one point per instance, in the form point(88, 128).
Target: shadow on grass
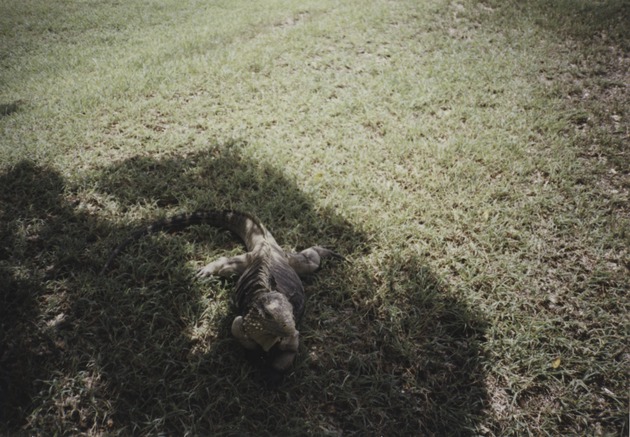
point(147, 349)
point(9, 108)
point(580, 19)
point(585, 20)
point(399, 356)
point(29, 199)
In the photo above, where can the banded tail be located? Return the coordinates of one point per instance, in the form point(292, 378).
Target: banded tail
point(247, 227)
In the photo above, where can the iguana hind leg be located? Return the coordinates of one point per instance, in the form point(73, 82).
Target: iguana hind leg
point(309, 260)
point(225, 266)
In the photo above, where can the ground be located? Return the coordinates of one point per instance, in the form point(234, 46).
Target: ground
point(468, 158)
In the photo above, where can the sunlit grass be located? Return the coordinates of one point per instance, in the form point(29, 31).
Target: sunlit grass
point(467, 157)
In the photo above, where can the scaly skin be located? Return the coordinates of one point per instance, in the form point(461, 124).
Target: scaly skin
point(269, 294)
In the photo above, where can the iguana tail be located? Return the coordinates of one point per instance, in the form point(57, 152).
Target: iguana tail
point(247, 227)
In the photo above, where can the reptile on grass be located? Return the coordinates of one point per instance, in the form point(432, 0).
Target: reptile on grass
point(269, 294)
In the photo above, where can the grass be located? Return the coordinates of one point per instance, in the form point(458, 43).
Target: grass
point(469, 158)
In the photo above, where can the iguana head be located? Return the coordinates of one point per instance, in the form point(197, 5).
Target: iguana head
point(269, 319)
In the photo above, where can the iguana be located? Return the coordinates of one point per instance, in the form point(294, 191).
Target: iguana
point(269, 294)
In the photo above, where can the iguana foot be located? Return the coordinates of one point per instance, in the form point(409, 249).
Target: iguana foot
point(309, 260)
point(225, 266)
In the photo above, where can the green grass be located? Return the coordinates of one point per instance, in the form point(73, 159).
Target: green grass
point(469, 158)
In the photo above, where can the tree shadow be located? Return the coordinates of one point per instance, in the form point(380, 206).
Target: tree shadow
point(146, 348)
point(582, 20)
point(10, 108)
point(222, 177)
point(407, 358)
point(36, 253)
point(587, 20)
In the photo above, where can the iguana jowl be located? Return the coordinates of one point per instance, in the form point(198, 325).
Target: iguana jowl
point(269, 294)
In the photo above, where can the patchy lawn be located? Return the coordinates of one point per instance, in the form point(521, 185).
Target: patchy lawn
point(469, 158)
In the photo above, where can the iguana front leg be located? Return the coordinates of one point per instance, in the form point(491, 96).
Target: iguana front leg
point(309, 260)
point(225, 266)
